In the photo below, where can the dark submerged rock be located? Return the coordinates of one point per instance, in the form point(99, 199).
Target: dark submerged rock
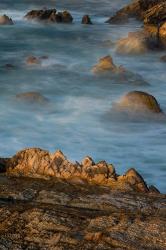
point(86, 20)
point(163, 58)
point(32, 98)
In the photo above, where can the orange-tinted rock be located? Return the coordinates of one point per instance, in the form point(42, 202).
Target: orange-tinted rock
point(35, 162)
point(106, 65)
point(32, 60)
point(5, 20)
point(135, 43)
point(139, 101)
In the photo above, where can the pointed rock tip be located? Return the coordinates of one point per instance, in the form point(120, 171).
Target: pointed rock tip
point(58, 153)
point(88, 161)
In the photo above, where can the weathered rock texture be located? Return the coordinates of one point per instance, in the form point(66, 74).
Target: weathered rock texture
point(54, 214)
point(36, 163)
point(50, 15)
point(83, 206)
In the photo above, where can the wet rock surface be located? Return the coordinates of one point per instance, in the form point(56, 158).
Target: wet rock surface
point(50, 16)
point(151, 12)
point(58, 214)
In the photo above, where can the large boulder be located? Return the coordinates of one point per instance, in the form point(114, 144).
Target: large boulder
point(50, 16)
point(138, 102)
point(5, 20)
point(135, 43)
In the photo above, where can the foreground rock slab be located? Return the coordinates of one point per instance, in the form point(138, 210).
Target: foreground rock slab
point(54, 214)
point(76, 205)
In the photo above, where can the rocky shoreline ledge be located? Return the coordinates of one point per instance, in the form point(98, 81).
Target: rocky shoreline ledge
point(48, 202)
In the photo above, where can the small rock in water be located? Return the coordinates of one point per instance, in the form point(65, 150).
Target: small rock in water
point(5, 20)
point(86, 20)
point(106, 68)
point(9, 66)
point(106, 65)
point(32, 98)
point(32, 60)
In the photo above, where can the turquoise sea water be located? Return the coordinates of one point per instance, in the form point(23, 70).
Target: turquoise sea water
point(77, 119)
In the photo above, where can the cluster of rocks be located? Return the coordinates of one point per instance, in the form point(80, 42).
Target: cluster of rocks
point(50, 15)
point(38, 163)
point(153, 15)
point(47, 16)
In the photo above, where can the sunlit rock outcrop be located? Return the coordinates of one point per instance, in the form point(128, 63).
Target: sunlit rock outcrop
point(153, 15)
point(35, 162)
point(50, 16)
point(5, 20)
